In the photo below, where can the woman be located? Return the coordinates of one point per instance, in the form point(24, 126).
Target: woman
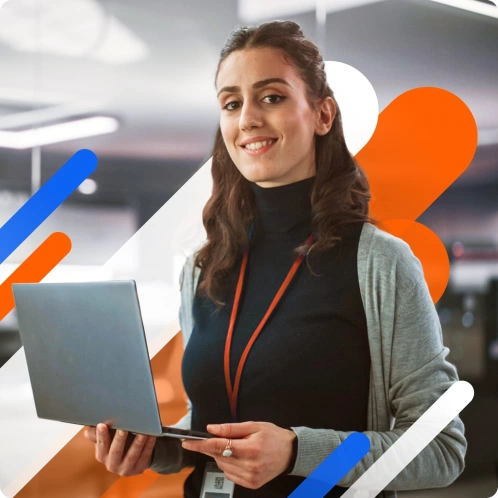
point(353, 343)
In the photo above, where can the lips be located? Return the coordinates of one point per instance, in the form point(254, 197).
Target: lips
point(261, 149)
point(259, 144)
point(260, 138)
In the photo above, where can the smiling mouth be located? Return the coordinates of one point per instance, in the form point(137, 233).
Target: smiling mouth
point(262, 146)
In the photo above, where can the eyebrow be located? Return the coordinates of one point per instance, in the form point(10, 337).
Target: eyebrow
point(258, 84)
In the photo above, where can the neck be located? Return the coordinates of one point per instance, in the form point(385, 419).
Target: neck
point(283, 183)
point(281, 209)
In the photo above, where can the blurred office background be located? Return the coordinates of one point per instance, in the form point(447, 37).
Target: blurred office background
point(139, 78)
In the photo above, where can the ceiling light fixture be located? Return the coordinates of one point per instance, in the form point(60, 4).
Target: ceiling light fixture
point(257, 10)
point(51, 114)
point(79, 28)
point(61, 132)
point(472, 6)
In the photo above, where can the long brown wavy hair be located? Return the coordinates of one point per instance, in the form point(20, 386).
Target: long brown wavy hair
point(340, 193)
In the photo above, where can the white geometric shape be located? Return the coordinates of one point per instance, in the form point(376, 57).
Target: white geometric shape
point(412, 442)
point(29, 443)
point(357, 101)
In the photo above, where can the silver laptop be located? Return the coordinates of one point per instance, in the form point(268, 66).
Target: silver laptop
point(87, 356)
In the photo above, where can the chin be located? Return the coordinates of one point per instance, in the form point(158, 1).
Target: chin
point(257, 175)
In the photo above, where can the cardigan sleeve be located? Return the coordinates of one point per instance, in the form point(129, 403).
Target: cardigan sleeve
point(169, 457)
point(417, 375)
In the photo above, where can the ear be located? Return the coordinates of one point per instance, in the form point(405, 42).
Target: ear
point(326, 111)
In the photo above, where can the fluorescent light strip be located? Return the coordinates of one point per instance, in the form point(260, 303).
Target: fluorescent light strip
point(62, 132)
point(472, 6)
point(257, 10)
point(51, 114)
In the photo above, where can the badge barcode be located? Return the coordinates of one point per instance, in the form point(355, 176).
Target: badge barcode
point(219, 482)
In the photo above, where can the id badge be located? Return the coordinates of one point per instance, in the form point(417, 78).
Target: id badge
point(215, 484)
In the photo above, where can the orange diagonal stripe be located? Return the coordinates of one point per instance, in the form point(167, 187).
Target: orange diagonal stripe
point(424, 140)
point(36, 267)
point(131, 487)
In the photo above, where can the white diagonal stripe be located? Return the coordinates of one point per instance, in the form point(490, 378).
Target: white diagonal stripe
point(412, 442)
point(28, 442)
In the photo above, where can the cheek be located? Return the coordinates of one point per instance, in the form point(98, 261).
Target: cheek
point(227, 132)
point(295, 128)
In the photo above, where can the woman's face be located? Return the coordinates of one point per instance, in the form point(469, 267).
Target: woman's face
point(256, 108)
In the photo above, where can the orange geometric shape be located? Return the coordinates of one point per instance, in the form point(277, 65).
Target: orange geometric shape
point(424, 140)
point(169, 486)
point(35, 268)
point(131, 487)
point(72, 472)
point(428, 248)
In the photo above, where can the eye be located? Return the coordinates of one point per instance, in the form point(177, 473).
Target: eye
point(228, 106)
point(274, 96)
point(273, 99)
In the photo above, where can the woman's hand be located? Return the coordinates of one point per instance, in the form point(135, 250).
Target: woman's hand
point(261, 451)
point(118, 457)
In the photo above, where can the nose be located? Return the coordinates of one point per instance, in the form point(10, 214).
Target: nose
point(250, 116)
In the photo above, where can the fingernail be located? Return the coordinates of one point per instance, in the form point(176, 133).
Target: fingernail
point(101, 428)
point(121, 433)
point(214, 427)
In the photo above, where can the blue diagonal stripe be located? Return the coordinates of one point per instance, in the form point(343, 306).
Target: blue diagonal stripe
point(334, 467)
point(44, 202)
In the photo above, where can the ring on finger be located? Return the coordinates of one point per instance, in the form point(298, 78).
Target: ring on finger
point(228, 452)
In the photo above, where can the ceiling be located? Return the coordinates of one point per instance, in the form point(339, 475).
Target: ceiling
point(166, 102)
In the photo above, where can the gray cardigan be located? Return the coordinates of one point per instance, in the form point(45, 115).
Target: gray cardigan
point(408, 371)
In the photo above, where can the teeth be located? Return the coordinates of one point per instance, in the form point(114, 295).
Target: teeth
point(258, 145)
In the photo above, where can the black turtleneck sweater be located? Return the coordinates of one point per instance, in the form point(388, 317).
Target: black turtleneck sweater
point(310, 364)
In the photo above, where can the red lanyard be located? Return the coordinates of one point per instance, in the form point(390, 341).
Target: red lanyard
point(232, 393)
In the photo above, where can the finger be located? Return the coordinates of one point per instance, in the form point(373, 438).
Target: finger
point(116, 450)
point(134, 451)
point(207, 447)
point(91, 434)
point(216, 446)
point(211, 447)
point(234, 431)
point(103, 443)
point(142, 462)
